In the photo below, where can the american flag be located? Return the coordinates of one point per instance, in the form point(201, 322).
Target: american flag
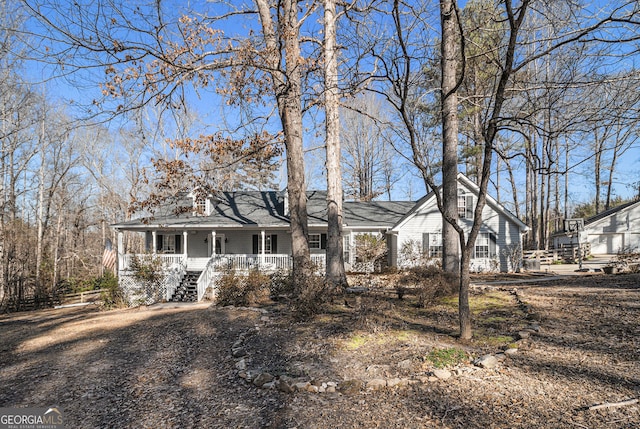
point(109, 256)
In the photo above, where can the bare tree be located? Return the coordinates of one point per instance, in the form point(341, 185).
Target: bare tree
point(172, 51)
point(368, 164)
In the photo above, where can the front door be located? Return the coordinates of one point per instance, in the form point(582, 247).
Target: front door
point(219, 245)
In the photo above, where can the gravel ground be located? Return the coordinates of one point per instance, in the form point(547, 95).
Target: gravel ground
point(168, 366)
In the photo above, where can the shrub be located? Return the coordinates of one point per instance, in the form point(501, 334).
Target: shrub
point(281, 285)
point(147, 270)
point(111, 296)
point(241, 290)
point(430, 283)
point(310, 294)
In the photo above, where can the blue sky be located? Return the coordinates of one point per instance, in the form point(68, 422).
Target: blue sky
point(213, 113)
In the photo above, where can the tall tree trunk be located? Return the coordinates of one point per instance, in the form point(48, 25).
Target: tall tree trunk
point(514, 188)
point(288, 90)
point(449, 67)
point(596, 168)
point(336, 276)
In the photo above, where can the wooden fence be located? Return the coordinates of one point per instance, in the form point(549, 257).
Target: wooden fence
point(567, 253)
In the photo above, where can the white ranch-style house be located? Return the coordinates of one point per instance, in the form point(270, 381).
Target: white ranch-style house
point(250, 230)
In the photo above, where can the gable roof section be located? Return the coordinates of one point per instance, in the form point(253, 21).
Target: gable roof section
point(472, 187)
point(610, 212)
point(375, 213)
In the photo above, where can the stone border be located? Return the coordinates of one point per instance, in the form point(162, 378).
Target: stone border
point(287, 384)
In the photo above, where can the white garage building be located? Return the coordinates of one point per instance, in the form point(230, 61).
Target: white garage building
point(614, 230)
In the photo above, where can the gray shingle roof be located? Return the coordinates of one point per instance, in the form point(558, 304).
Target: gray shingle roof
point(609, 212)
point(266, 209)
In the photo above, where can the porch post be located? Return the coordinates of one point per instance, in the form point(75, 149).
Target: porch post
point(185, 235)
point(120, 251)
point(264, 242)
point(213, 243)
point(154, 242)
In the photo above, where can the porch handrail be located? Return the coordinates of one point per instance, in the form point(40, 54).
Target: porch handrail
point(176, 273)
point(206, 276)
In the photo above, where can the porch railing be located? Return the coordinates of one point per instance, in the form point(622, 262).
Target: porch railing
point(167, 260)
point(244, 262)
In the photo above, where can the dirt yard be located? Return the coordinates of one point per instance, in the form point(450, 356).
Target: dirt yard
point(189, 366)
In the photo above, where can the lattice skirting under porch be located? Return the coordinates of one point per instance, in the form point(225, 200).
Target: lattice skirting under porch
point(137, 292)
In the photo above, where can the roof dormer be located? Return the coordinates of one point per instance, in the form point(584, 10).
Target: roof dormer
point(201, 203)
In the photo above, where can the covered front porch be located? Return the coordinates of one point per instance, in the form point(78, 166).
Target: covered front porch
point(185, 256)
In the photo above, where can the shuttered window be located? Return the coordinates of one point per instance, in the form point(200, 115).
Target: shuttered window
point(317, 241)
point(169, 243)
point(270, 243)
point(432, 244)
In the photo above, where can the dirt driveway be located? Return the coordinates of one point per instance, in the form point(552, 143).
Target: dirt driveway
point(173, 367)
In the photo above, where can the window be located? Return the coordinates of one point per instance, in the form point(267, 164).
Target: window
point(270, 243)
point(347, 248)
point(168, 243)
point(432, 244)
point(485, 245)
point(200, 206)
point(317, 241)
point(465, 205)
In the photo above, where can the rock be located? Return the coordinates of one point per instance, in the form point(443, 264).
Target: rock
point(313, 389)
point(270, 385)
point(322, 389)
point(500, 356)
point(486, 361)
point(534, 316)
point(441, 374)
point(241, 365)
point(301, 386)
point(423, 379)
point(511, 351)
point(331, 389)
point(534, 327)
point(393, 382)
point(332, 384)
point(242, 375)
point(523, 335)
point(237, 344)
point(405, 364)
point(351, 386)
point(283, 385)
point(376, 384)
point(262, 378)
point(238, 352)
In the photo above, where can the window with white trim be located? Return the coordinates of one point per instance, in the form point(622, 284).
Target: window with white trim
point(200, 206)
point(465, 204)
point(347, 248)
point(485, 245)
point(168, 243)
point(482, 245)
point(315, 241)
point(434, 245)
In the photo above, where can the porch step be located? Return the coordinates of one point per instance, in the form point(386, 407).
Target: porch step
point(188, 289)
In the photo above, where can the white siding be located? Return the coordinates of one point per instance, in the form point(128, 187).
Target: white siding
point(429, 220)
point(619, 231)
